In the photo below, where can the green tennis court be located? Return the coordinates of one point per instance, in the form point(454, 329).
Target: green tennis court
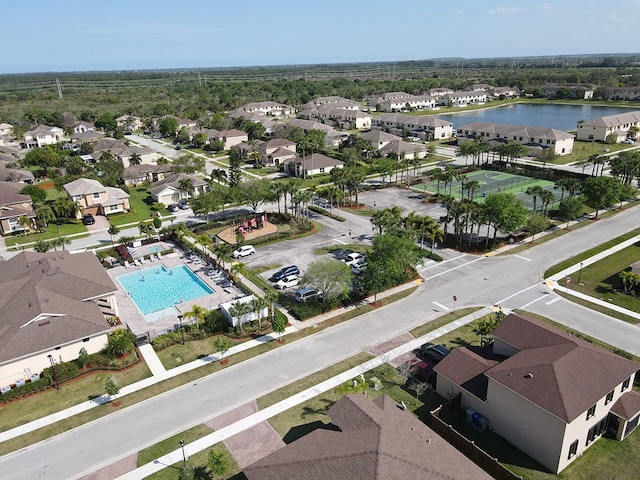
point(487, 182)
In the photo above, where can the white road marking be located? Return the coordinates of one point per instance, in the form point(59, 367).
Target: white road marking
point(531, 302)
point(446, 261)
point(439, 305)
point(454, 268)
point(517, 293)
point(523, 258)
point(550, 302)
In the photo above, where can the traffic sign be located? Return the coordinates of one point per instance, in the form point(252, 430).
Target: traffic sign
point(455, 299)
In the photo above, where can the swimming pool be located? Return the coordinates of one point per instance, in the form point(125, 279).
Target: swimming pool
point(156, 289)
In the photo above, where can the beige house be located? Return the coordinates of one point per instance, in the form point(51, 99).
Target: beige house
point(231, 138)
point(42, 135)
point(170, 189)
point(137, 174)
point(426, 127)
point(13, 206)
point(620, 127)
point(123, 152)
point(6, 129)
point(463, 98)
point(59, 304)
point(332, 101)
point(545, 391)
point(314, 164)
point(343, 117)
point(367, 440)
point(82, 127)
point(535, 138)
point(277, 151)
point(96, 199)
point(129, 123)
point(404, 104)
point(268, 108)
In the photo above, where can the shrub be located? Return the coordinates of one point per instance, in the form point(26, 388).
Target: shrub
point(26, 389)
point(157, 206)
point(157, 222)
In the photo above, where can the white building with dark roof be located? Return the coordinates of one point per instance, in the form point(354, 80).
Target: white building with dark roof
point(427, 127)
point(619, 126)
point(535, 138)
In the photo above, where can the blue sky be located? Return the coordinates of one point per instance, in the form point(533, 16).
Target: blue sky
point(71, 35)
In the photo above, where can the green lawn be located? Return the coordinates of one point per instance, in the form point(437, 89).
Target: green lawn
point(140, 208)
point(55, 230)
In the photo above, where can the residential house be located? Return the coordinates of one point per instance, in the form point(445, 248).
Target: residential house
point(94, 198)
point(129, 123)
point(230, 138)
point(137, 174)
point(344, 118)
point(232, 316)
point(171, 188)
point(314, 164)
point(332, 101)
point(549, 393)
point(574, 90)
point(332, 136)
point(616, 127)
point(504, 92)
point(85, 137)
point(399, 149)
point(6, 129)
point(42, 135)
point(535, 138)
point(405, 104)
point(277, 151)
point(267, 122)
point(367, 440)
point(123, 152)
point(461, 99)
point(14, 205)
point(15, 174)
point(630, 94)
point(59, 304)
point(426, 127)
point(83, 127)
point(272, 109)
point(379, 138)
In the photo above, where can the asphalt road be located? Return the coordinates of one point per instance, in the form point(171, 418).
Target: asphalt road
point(512, 281)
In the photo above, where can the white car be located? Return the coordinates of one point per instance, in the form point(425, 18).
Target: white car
point(244, 251)
point(286, 282)
point(354, 258)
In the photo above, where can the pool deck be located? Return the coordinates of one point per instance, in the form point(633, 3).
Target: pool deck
point(130, 314)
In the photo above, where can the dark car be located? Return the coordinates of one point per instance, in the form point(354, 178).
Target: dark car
point(183, 204)
point(173, 207)
point(88, 219)
point(285, 272)
point(435, 352)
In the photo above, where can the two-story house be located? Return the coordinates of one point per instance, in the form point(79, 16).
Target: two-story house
point(277, 151)
point(545, 391)
point(619, 127)
point(14, 206)
point(42, 135)
point(94, 198)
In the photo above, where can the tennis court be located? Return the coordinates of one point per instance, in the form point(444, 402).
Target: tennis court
point(490, 181)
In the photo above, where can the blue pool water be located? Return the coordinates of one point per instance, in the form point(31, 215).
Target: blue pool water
point(155, 289)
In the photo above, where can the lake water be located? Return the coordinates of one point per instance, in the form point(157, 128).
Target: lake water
point(560, 117)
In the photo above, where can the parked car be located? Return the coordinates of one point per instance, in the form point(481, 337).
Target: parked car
point(305, 294)
point(88, 219)
point(174, 207)
point(353, 258)
point(358, 268)
point(285, 272)
point(183, 204)
point(435, 352)
point(420, 369)
point(287, 282)
point(243, 251)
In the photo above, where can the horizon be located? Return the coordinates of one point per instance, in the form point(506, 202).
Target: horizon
point(158, 35)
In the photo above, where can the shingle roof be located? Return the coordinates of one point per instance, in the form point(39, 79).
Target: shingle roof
point(612, 121)
point(45, 301)
point(375, 440)
point(84, 186)
point(627, 406)
point(560, 373)
point(318, 160)
point(516, 130)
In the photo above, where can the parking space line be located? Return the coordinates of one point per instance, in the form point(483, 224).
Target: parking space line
point(550, 302)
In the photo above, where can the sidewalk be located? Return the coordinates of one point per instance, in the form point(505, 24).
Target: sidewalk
point(263, 415)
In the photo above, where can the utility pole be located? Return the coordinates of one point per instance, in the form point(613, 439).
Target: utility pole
point(59, 87)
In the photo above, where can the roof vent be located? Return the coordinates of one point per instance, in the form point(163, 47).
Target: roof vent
point(529, 375)
point(42, 324)
point(30, 304)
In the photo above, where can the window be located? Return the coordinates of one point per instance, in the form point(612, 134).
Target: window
point(597, 430)
point(573, 449)
point(96, 196)
point(625, 384)
point(591, 412)
point(609, 397)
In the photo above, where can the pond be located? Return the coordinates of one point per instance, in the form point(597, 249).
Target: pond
point(560, 117)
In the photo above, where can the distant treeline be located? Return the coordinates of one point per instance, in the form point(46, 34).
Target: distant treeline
point(30, 99)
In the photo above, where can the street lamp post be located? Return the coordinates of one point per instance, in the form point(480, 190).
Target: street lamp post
point(53, 373)
point(580, 273)
point(181, 330)
point(184, 458)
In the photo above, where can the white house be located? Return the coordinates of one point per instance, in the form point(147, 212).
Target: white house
point(535, 138)
point(314, 164)
point(345, 118)
point(426, 127)
point(43, 135)
point(545, 391)
point(170, 189)
point(622, 126)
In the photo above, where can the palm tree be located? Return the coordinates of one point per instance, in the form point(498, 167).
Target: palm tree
point(135, 159)
point(240, 310)
point(422, 225)
point(219, 175)
point(629, 279)
point(436, 234)
point(223, 251)
point(239, 268)
point(24, 222)
point(63, 207)
point(258, 304)
point(113, 231)
point(198, 313)
point(546, 197)
point(270, 299)
point(205, 240)
point(278, 189)
point(147, 229)
point(535, 191)
point(44, 215)
point(185, 185)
